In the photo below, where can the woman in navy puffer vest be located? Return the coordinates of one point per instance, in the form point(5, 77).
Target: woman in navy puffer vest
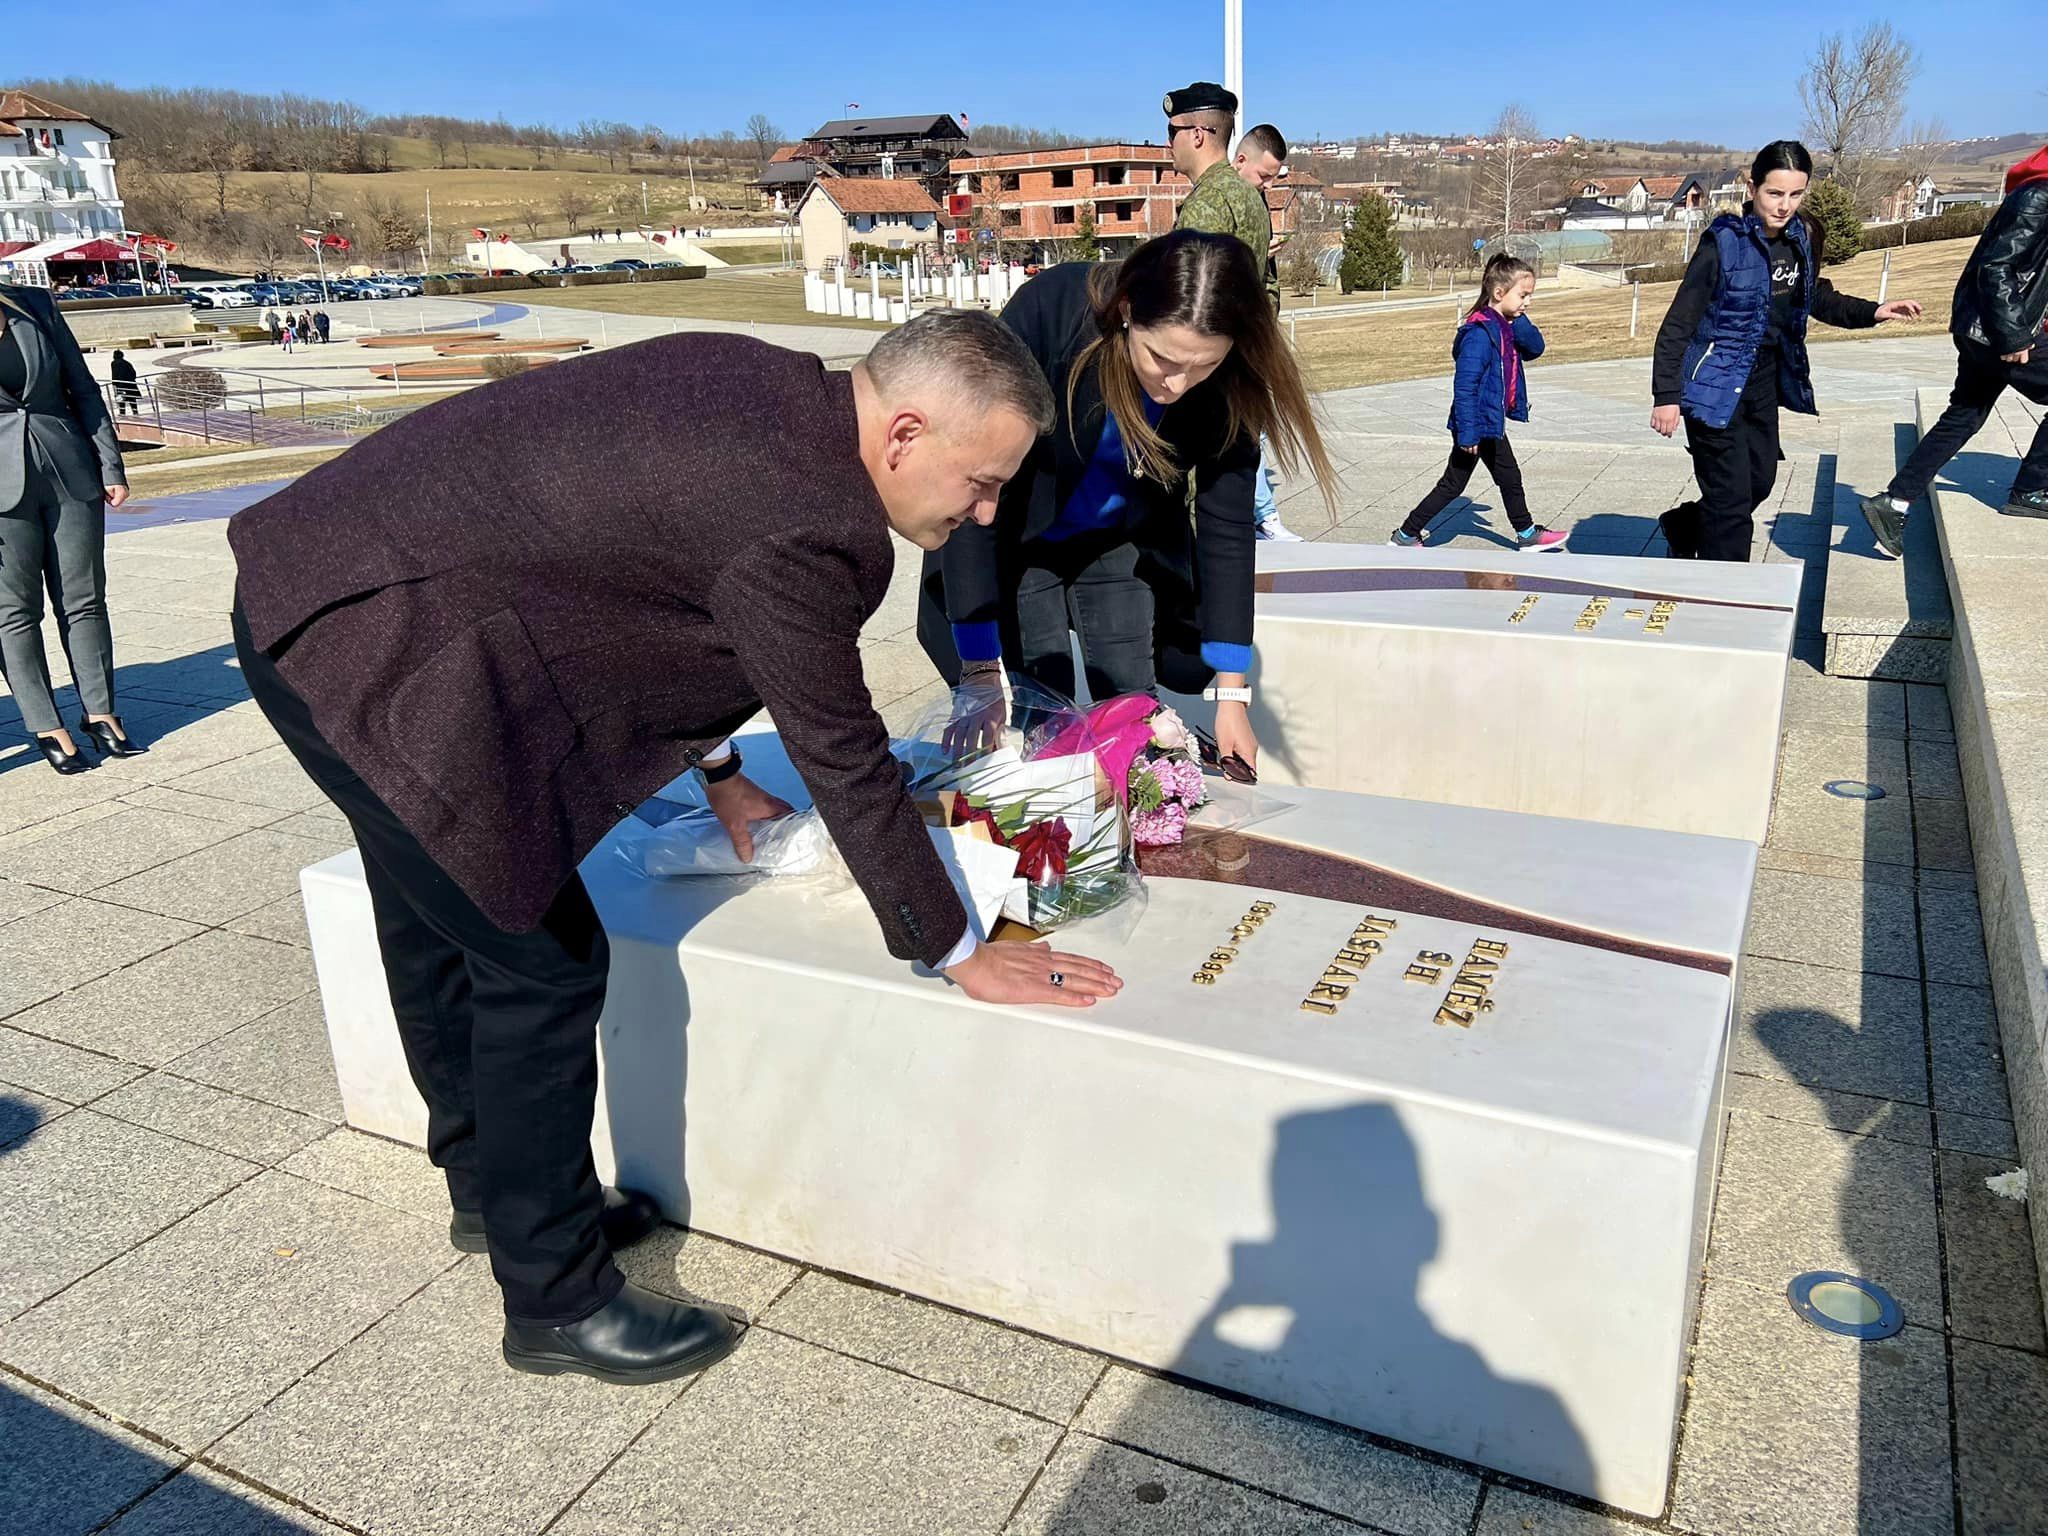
point(1732, 349)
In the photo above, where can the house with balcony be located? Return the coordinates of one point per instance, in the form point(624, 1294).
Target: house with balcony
point(916, 149)
point(56, 175)
point(1131, 190)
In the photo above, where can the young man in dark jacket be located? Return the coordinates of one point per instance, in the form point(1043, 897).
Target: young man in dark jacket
point(2000, 327)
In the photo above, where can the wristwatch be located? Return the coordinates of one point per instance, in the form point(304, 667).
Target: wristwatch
point(721, 770)
point(1216, 695)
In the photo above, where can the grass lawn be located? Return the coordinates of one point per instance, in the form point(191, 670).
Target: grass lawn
point(736, 255)
point(769, 297)
point(177, 479)
point(143, 457)
point(1592, 325)
point(492, 198)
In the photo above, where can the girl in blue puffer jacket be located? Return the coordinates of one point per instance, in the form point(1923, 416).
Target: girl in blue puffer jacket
point(1491, 389)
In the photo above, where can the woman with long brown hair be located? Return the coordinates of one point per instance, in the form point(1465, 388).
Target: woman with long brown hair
point(1166, 368)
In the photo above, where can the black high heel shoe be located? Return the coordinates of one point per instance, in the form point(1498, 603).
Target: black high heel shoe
point(64, 762)
point(109, 743)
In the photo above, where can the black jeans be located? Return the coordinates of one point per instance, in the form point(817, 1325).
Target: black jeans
point(1097, 594)
point(499, 1031)
point(1736, 467)
point(1498, 455)
point(1981, 377)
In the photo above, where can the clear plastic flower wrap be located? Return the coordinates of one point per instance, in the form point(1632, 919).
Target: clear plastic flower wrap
point(1019, 766)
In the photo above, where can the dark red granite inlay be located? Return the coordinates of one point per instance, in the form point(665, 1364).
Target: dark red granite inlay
point(1431, 579)
point(1237, 858)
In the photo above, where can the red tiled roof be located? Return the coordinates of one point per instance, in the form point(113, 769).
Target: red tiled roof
point(1663, 186)
point(875, 194)
point(784, 155)
point(15, 105)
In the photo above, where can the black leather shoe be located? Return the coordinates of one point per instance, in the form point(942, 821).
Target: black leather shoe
point(627, 1218)
point(637, 1337)
point(64, 762)
point(111, 743)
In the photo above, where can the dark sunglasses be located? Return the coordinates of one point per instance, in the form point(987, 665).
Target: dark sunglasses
point(1233, 767)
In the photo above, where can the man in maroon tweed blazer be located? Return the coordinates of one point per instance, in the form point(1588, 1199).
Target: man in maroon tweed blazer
point(491, 630)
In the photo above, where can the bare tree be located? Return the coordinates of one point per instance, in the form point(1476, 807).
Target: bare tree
point(530, 215)
point(1854, 93)
point(764, 136)
point(221, 152)
point(388, 225)
point(1504, 186)
point(440, 133)
point(572, 203)
point(1315, 221)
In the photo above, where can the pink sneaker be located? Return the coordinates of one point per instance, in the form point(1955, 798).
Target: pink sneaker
point(1538, 537)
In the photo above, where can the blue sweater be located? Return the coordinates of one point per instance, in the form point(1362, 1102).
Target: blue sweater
point(1487, 349)
point(1101, 503)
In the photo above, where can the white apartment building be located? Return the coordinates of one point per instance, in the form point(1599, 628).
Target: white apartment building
point(56, 174)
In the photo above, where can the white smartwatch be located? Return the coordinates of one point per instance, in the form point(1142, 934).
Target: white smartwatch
point(1217, 695)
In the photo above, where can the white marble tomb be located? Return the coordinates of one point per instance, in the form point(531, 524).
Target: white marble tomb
point(1645, 692)
point(1430, 1154)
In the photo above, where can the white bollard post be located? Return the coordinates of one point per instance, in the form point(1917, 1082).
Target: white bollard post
point(905, 300)
point(1635, 308)
point(874, 293)
point(604, 338)
point(1884, 278)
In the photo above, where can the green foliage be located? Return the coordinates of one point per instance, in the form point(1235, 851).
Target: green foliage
point(1086, 246)
point(1833, 207)
point(1372, 253)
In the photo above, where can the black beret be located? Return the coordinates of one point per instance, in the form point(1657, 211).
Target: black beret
point(1202, 96)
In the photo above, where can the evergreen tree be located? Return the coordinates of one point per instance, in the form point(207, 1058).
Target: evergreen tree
point(1372, 254)
point(1086, 246)
point(1833, 207)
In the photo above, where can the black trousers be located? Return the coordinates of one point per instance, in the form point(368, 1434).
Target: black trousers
point(499, 1031)
point(1498, 455)
point(1981, 377)
point(1736, 467)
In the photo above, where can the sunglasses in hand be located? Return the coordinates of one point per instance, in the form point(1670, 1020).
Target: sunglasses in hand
point(1233, 767)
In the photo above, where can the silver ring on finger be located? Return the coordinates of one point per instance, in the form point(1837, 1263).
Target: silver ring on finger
point(1058, 978)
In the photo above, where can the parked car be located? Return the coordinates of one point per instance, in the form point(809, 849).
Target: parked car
point(407, 287)
point(627, 264)
point(218, 296)
point(380, 288)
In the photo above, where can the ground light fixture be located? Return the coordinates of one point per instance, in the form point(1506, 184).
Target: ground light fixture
point(1843, 1304)
point(1854, 789)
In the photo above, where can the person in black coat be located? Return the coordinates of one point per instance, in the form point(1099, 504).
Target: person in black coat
point(127, 395)
point(60, 469)
point(1165, 369)
point(2000, 326)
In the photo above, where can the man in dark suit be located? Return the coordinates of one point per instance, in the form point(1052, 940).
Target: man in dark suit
point(493, 628)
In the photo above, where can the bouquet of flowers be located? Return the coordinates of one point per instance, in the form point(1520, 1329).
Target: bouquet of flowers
point(1035, 783)
point(1146, 757)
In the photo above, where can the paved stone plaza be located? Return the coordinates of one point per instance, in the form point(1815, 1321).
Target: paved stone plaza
point(221, 1312)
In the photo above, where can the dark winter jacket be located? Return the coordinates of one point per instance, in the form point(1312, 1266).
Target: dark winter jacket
point(2002, 296)
point(1489, 352)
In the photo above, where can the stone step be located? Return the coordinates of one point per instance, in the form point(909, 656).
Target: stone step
point(1997, 570)
point(1883, 618)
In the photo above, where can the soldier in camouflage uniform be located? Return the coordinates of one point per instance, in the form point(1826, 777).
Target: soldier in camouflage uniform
point(1199, 119)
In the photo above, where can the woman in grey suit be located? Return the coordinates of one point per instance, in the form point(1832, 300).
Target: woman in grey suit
point(60, 469)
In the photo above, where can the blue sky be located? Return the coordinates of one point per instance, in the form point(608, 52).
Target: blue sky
point(1316, 67)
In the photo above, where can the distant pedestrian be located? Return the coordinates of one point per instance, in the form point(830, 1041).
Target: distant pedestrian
point(274, 324)
point(1732, 350)
point(618, 234)
point(287, 334)
point(127, 394)
point(321, 323)
point(2000, 327)
point(1491, 389)
point(305, 326)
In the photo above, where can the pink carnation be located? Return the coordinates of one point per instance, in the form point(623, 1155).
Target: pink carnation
point(1157, 829)
point(1182, 780)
